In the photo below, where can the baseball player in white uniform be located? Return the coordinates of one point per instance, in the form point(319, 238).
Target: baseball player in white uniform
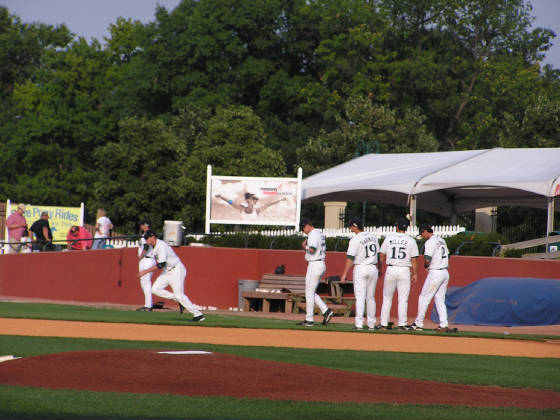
point(362, 252)
point(436, 261)
point(173, 275)
point(315, 254)
point(145, 260)
point(400, 252)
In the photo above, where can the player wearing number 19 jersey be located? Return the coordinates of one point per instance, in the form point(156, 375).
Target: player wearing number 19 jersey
point(362, 253)
point(436, 261)
point(400, 252)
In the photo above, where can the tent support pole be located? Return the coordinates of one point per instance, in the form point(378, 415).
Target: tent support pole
point(412, 210)
point(550, 216)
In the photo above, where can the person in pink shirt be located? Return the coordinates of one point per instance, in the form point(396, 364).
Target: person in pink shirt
point(17, 225)
point(79, 238)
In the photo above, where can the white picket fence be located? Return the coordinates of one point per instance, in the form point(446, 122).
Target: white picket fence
point(381, 231)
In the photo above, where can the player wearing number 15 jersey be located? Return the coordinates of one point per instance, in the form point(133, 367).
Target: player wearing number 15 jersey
point(362, 253)
point(436, 261)
point(400, 253)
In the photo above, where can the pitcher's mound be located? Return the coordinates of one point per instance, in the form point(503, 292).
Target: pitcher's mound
point(199, 373)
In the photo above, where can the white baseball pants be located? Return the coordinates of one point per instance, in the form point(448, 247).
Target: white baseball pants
point(174, 278)
point(435, 287)
point(315, 270)
point(365, 280)
point(146, 280)
point(396, 278)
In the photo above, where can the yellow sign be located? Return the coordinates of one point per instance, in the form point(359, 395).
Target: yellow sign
point(61, 219)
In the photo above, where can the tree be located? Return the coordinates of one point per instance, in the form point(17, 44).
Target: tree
point(366, 128)
point(234, 144)
point(142, 173)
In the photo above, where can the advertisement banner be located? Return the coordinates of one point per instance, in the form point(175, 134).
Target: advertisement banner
point(61, 219)
point(253, 200)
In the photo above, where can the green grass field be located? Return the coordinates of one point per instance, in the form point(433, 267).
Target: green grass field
point(24, 402)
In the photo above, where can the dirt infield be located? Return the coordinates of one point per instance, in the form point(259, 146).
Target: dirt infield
point(216, 374)
point(312, 338)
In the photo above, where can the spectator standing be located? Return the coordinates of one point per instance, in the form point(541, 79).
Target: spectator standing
point(362, 254)
point(43, 234)
point(103, 228)
point(79, 238)
point(436, 261)
point(400, 253)
point(315, 254)
point(146, 260)
point(173, 275)
point(17, 226)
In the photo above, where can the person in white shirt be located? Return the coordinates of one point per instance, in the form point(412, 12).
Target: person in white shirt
point(145, 260)
point(173, 275)
point(103, 226)
point(400, 253)
point(315, 247)
point(363, 255)
point(436, 261)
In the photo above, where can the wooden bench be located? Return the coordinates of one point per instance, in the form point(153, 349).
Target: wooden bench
point(282, 290)
point(337, 301)
point(286, 293)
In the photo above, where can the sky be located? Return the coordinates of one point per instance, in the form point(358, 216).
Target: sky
point(91, 18)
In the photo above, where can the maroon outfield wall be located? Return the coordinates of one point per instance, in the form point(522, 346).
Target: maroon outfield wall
point(109, 276)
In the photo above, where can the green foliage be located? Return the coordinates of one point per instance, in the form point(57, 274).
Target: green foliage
point(365, 128)
point(476, 244)
point(512, 253)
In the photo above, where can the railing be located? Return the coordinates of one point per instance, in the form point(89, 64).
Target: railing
point(550, 242)
point(62, 245)
point(382, 231)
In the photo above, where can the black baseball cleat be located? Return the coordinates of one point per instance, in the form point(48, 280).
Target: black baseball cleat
point(199, 318)
point(181, 308)
point(415, 327)
point(306, 323)
point(327, 316)
point(145, 309)
point(446, 329)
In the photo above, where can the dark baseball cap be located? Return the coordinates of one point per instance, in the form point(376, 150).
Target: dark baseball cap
point(355, 221)
point(304, 222)
point(402, 223)
point(145, 221)
point(149, 234)
point(425, 227)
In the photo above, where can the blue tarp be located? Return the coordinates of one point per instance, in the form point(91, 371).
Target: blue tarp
point(504, 301)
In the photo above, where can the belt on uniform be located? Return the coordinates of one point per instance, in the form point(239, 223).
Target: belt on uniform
point(444, 268)
point(322, 259)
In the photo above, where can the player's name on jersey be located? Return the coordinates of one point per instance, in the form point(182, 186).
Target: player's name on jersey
point(398, 241)
point(367, 240)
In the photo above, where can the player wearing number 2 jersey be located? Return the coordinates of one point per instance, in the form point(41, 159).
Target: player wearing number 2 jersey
point(315, 254)
point(400, 252)
point(362, 253)
point(436, 261)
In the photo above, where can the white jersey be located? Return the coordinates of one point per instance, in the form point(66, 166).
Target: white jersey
point(316, 239)
point(399, 249)
point(149, 252)
point(364, 248)
point(163, 253)
point(436, 248)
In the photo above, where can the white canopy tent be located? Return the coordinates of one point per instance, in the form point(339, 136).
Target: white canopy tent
point(445, 183)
